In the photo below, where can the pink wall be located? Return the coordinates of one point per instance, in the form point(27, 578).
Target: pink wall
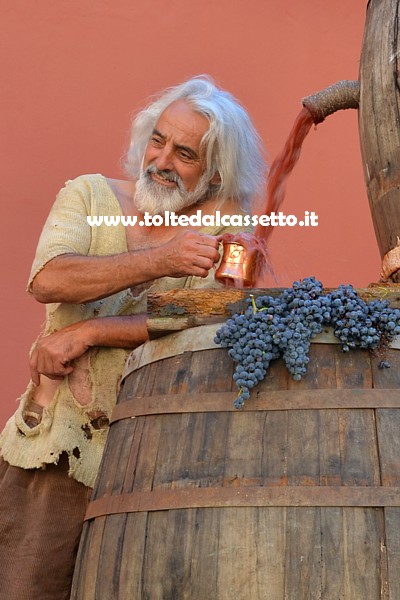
point(74, 72)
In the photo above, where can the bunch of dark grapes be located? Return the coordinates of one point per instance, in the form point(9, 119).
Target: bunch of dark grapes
point(250, 339)
point(360, 325)
point(307, 311)
point(284, 327)
point(386, 319)
point(351, 320)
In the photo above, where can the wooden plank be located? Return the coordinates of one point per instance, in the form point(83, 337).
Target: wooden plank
point(270, 545)
point(182, 304)
point(205, 302)
point(386, 378)
point(140, 467)
point(274, 449)
point(167, 564)
point(155, 573)
point(210, 370)
point(108, 554)
point(141, 473)
point(142, 383)
point(392, 527)
point(332, 558)
point(124, 441)
point(133, 552)
point(138, 433)
point(323, 359)
point(363, 531)
point(192, 451)
point(82, 568)
point(303, 554)
point(329, 448)
point(353, 370)
point(358, 443)
point(303, 434)
point(171, 375)
point(193, 446)
point(206, 451)
point(388, 428)
point(250, 555)
point(274, 444)
point(110, 458)
point(169, 464)
point(205, 554)
point(276, 379)
point(237, 555)
point(159, 461)
point(303, 456)
point(242, 455)
point(388, 421)
point(84, 584)
point(109, 558)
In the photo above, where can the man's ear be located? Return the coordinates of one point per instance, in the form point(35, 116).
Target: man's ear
point(216, 179)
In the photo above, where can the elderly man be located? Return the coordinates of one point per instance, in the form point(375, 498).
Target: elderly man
point(195, 147)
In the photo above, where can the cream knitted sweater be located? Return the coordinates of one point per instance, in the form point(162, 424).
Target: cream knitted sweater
point(66, 425)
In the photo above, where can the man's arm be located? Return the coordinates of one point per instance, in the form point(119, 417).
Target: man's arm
point(53, 354)
point(79, 279)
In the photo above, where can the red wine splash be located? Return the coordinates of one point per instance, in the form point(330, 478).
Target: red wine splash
point(280, 170)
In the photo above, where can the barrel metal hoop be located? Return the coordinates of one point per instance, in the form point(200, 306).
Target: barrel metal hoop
point(311, 399)
point(223, 497)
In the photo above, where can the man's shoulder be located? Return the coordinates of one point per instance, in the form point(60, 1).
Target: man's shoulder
point(86, 180)
point(91, 191)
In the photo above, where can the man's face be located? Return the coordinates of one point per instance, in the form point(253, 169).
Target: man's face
point(173, 176)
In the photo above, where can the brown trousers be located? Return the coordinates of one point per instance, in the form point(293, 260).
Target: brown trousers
point(41, 518)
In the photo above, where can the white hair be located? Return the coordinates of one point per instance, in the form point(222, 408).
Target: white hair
point(233, 147)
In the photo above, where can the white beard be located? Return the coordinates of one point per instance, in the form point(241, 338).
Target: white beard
point(154, 198)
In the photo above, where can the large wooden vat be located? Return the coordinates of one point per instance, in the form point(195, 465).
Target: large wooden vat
point(379, 125)
point(295, 497)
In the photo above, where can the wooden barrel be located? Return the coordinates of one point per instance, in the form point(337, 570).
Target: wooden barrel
point(295, 497)
point(379, 126)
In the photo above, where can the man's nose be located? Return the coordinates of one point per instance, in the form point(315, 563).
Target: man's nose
point(164, 160)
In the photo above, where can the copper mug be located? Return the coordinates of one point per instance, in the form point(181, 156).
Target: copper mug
point(238, 266)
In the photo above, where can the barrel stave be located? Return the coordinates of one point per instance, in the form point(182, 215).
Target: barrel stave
point(365, 560)
point(392, 530)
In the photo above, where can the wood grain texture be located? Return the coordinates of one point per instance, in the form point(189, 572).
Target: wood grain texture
point(379, 121)
point(345, 548)
point(392, 527)
point(181, 309)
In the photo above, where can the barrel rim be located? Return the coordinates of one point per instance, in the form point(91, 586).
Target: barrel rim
point(200, 338)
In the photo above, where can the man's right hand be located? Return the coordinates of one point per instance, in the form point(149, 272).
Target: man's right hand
point(53, 353)
point(79, 279)
point(189, 253)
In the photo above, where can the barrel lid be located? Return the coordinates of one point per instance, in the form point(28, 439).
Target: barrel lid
point(188, 340)
point(199, 338)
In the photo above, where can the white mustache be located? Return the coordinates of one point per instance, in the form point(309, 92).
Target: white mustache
point(167, 175)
